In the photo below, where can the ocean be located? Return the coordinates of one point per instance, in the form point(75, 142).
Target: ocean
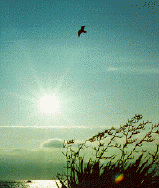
point(29, 184)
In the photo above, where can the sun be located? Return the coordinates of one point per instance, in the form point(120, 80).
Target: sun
point(49, 104)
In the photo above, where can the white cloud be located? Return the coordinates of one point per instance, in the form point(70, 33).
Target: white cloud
point(134, 70)
point(113, 69)
point(53, 143)
point(50, 127)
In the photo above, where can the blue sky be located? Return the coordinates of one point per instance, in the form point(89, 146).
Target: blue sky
point(98, 80)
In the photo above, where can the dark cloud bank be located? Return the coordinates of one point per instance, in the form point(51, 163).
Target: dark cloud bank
point(14, 170)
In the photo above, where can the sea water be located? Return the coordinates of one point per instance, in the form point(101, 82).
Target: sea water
point(30, 184)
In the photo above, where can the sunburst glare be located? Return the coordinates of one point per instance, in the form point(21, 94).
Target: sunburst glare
point(49, 104)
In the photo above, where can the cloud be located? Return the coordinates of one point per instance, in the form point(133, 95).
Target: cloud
point(40, 127)
point(50, 127)
point(12, 169)
point(112, 69)
point(134, 70)
point(53, 143)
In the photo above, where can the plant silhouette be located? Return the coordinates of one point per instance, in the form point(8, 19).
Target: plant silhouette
point(114, 170)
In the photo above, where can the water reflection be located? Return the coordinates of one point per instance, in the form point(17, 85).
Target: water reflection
point(29, 184)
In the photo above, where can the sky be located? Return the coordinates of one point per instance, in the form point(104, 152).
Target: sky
point(56, 86)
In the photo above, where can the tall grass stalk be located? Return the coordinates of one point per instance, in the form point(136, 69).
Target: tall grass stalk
point(103, 170)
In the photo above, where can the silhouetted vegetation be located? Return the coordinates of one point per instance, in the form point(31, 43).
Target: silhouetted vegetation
point(131, 167)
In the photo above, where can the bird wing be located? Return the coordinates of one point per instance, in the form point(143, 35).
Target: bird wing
point(79, 32)
point(82, 27)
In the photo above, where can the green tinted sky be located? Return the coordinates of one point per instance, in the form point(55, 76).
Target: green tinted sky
point(101, 79)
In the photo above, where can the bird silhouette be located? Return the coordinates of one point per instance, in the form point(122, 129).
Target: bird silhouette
point(81, 31)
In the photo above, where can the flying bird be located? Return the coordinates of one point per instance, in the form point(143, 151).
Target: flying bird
point(81, 31)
